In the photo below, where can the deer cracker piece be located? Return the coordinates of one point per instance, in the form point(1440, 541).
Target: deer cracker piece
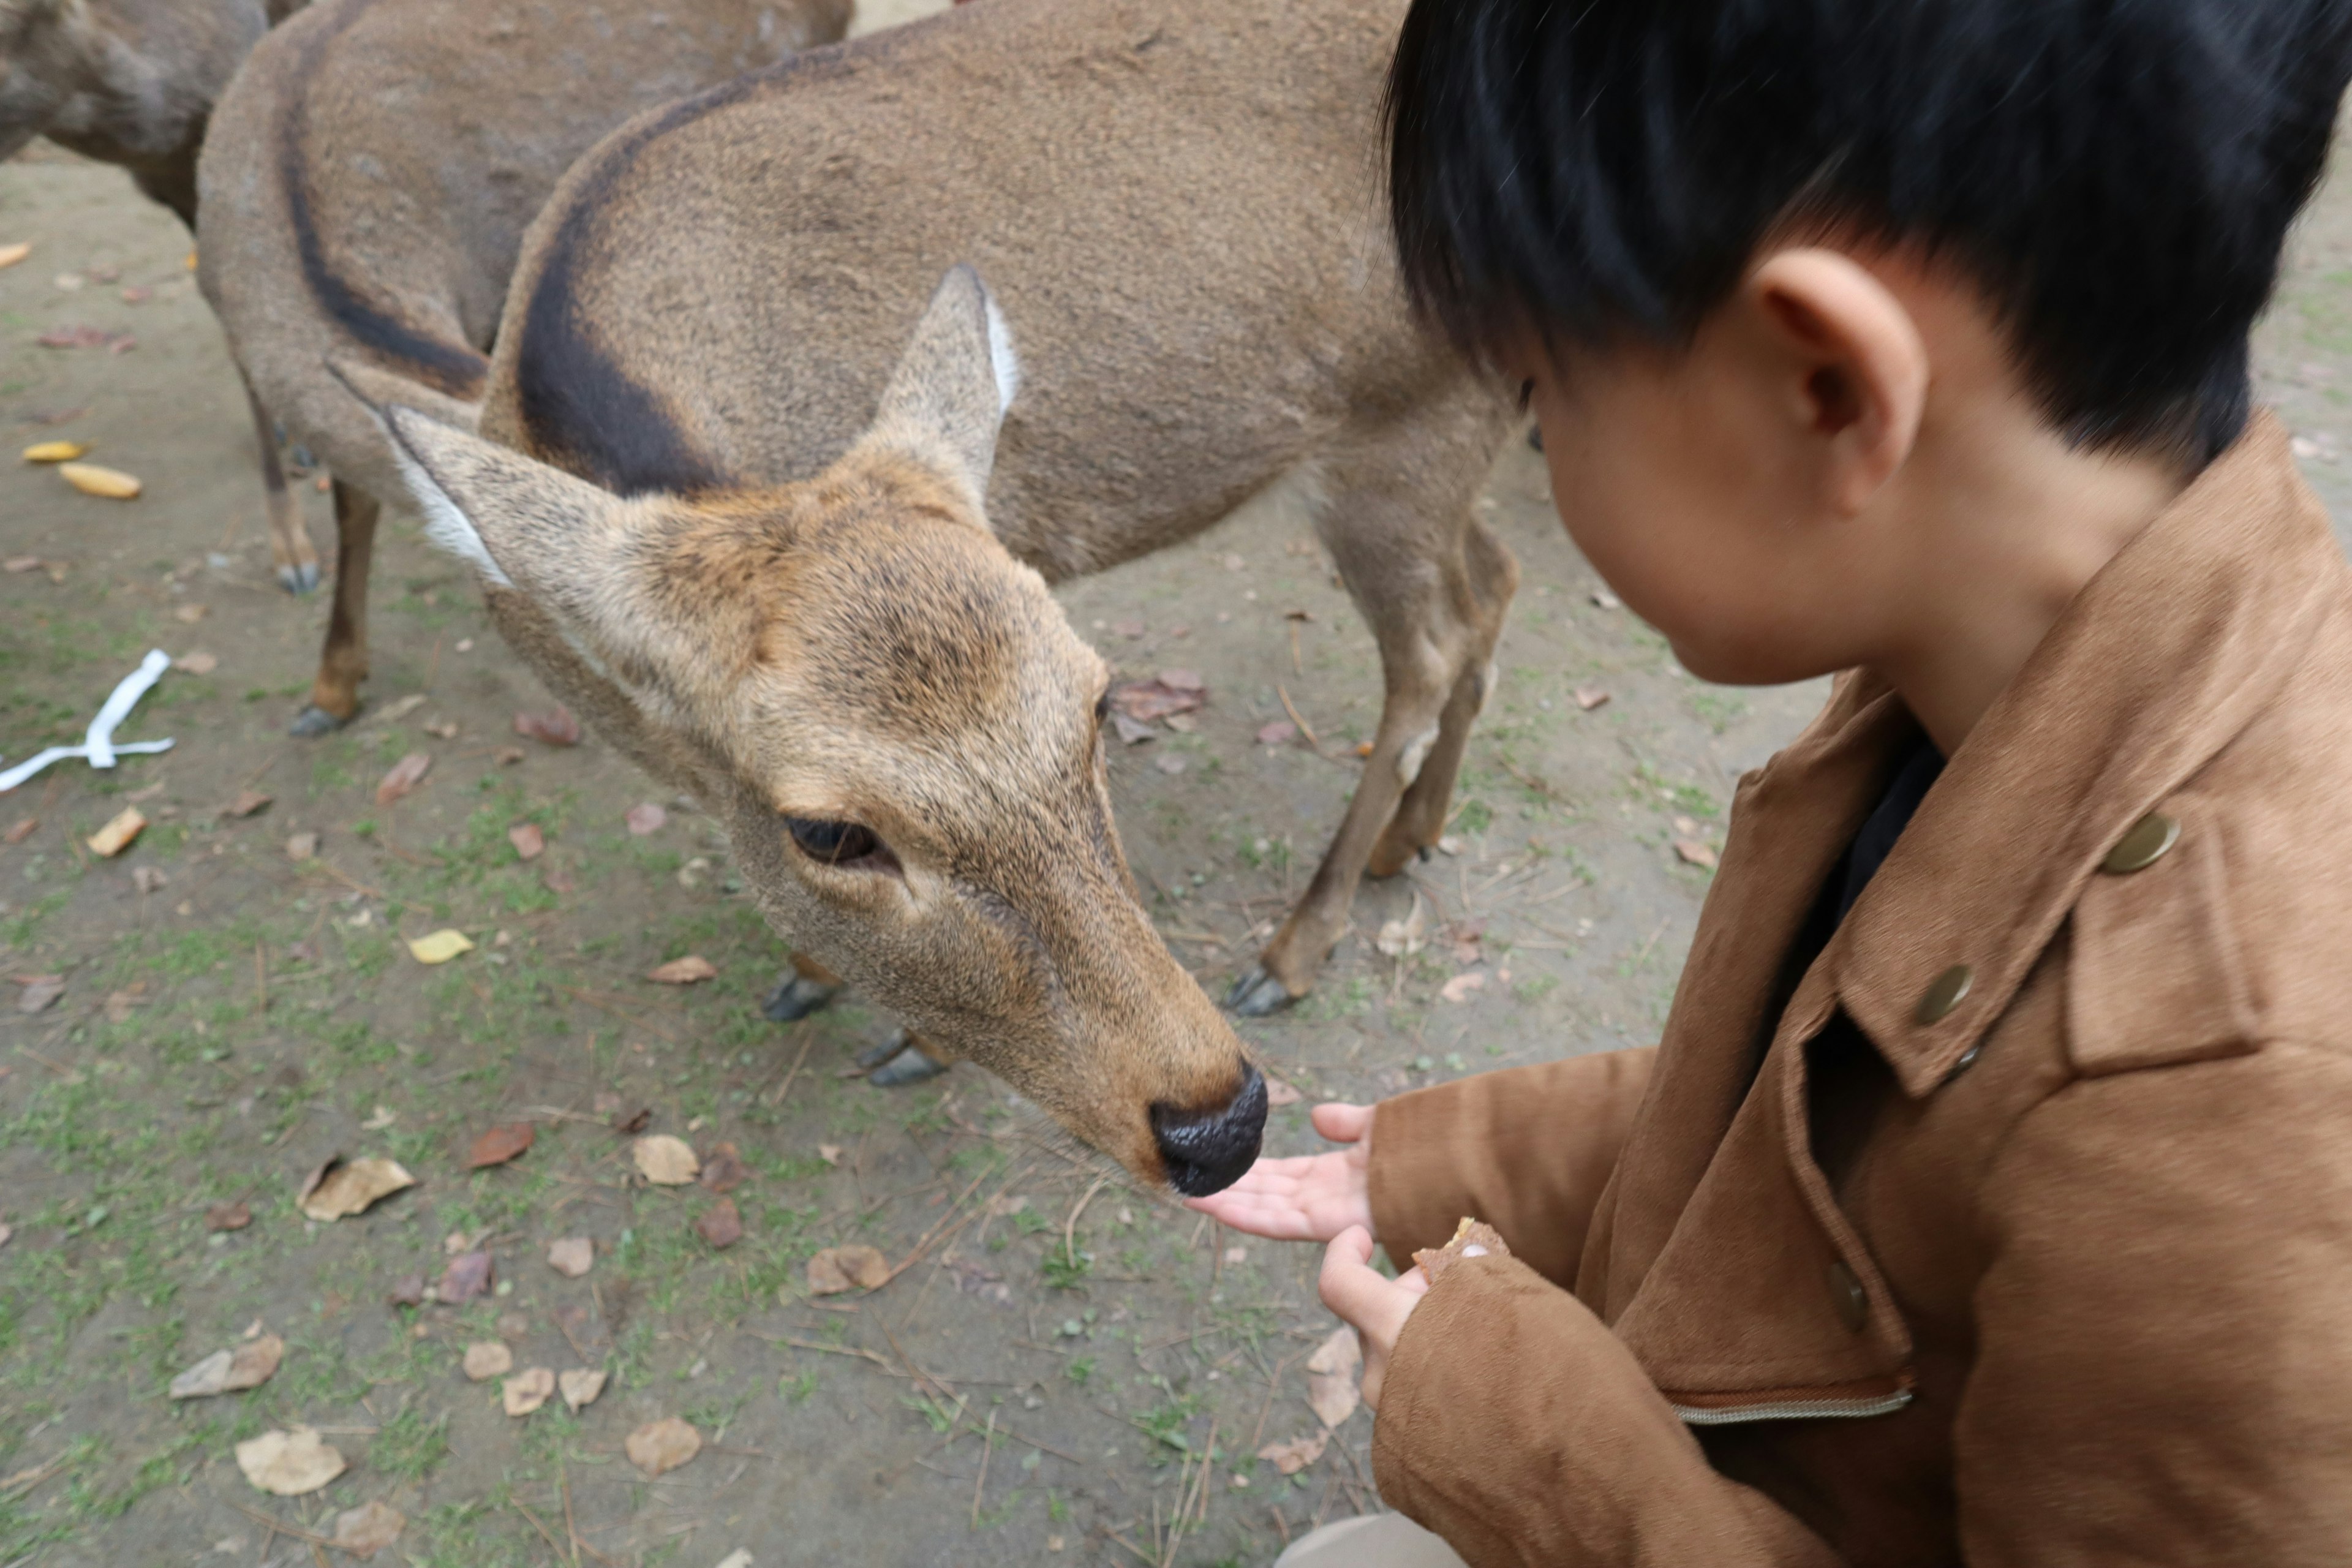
point(1472, 1238)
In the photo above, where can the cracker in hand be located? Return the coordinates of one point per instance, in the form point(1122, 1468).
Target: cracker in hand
point(1472, 1238)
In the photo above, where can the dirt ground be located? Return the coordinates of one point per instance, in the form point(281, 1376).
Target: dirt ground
point(1067, 1371)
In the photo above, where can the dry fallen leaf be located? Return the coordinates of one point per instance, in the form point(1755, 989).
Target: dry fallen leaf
point(500, 1144)
point(1696, 853)
point(39, 992)
point(192, 613)
point(1334, 1377)
point(1404, 938)
point(227, 1216)
point(84, 337)
point(20, 830)
point(469, 1274)
point(108, 484)
point(1295, 1455)
point(441, 729)
point(249, 1365)
point(829, 1152)
point(528, 840)
point(645, 817)
point(53, 451)
point(685, 971)
point(664, 1161)
point(404, 775)
point(115, 837)
point(581, 1386)
point(632, 1121)
point(302, 846)
point(1458, 989)
point(487, 1359)
point(340, 1189)
point(723, 1170)
point(526, 1391)
point(557, 727)
point(408, 1290)
point(738, 1557)
point(440, 946)
point(12, 254)
point(246, 803)
point(571, 1256)
point(1146, 701)
point(1278, 1093)
point(721, 1225)
point(659, 1447)
point(367, 1530)
point(1591, 697)
point(839, 1268)
point(381, 1117)
point(1281, 733)
point(147, 879)
point(288, 1464)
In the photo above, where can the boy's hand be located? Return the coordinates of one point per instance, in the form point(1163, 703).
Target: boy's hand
point(1313, 1197)
point(1372, 1303)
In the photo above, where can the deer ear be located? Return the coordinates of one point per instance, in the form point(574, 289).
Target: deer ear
point(947, 399)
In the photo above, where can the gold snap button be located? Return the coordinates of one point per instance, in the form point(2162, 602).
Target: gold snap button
point(2144, 845)
point(1945, 994)
point(1852, 1301)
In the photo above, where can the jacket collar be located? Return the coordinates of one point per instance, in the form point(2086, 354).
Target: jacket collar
point(2164, 656)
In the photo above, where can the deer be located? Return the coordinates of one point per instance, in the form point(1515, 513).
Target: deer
point(811, 386)
point(365, 189)
point(133, 83)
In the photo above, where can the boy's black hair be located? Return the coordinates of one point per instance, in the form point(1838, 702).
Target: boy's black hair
point(2116, 175)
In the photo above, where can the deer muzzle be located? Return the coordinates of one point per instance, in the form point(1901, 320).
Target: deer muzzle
point(1206, 1151)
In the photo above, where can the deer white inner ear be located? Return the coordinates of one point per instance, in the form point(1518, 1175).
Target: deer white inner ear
point(446, 524)
point(1002, 359)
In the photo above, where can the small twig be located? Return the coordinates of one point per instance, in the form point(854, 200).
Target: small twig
point(260, 979)
point(1298, 718)
point(279, 1525)
point(987, 1446)
point(1070, 1225)
point(603, 1004)
point(808, 1038)
point(552, 1545)
point(570, 1529)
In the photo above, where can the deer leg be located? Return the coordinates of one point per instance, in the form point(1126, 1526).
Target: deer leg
point(343, 664)
point(809, 986)
point(290, 541)
point(1398, 524)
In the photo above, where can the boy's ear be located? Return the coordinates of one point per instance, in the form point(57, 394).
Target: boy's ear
point(1856, 361)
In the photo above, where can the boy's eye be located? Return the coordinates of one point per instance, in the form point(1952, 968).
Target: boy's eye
point(1526, 393)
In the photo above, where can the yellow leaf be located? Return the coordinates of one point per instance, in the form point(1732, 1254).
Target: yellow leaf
point(115, 837)
point(12, 254)
point(440, 947)
point(92, 480)
point(53, 451)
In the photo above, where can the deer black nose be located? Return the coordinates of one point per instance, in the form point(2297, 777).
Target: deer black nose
point(1207, 1151)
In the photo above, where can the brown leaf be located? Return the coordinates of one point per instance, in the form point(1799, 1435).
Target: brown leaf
point(508, 756)
point(1696, 853)
point(557, 727)
point(469, 1274)
point(1334, 1377)
point(1278, 1093)
point(514, 1325)
point(20, 830)
point(147, 880)
point(246, 803)
point(336, 1189)
point(1591, 697)
point(1295, 1455)
point(571, 1256)
point(645, 817)
point(839, 1268)
point(189, 614)
point(723, 1170)
point(408, 1290)
point(81, 337)
point(633, 1122)
point(17, 565)
point(196, 663)
point(581, 1386)
point(367, 1530)
point(528, 842)
point(227, 1216)
point(1281, 733)
point(302, 846)
point(720, 1225)
point(664, 1161)
point(1183, 681)
point(115, 837)
point(830, 1154)
point(1146, 701)
point(487, 1359)
point(526, 1390)
point(288, 1464)
point(40, 993)
point(1133, 731)
point(659, 1447)
point(685, 971)
point(446, 729)
point(249, 1365)
point(500, 1144)
point(1458, 989)
point(404, 776)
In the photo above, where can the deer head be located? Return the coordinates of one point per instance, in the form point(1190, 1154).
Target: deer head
point(898, 726)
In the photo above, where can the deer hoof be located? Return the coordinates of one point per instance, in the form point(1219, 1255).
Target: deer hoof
point(314, 721)
point(910, 1066)
point(796, 997)
point(1257, 993)
point(300, 578)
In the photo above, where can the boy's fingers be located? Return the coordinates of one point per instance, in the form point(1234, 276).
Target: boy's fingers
point(1349, 1285)
point(1342, 1122)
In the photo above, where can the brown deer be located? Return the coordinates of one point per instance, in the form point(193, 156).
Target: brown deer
point(366, 184)
point(133, 82)
point(784, 532)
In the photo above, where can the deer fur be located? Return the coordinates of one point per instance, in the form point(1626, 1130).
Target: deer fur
point(133, 82)
point(366, 185)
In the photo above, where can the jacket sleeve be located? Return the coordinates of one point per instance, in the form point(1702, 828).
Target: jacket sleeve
point(1516, 1426)
point(1527, 1150)
point(2165, 1370)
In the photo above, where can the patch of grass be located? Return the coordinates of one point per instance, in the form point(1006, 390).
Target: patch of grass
point(409, 1444)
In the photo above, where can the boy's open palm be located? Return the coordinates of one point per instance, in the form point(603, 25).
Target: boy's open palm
point(1313, 1197)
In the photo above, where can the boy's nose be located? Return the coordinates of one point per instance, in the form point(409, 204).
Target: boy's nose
point(1207, 1151)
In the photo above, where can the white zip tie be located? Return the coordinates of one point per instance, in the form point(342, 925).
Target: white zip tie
point(98, 744)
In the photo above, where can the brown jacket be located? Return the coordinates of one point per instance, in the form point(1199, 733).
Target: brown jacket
point(2061, 1276)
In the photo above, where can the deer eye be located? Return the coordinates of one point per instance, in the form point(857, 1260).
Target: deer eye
point(834, 843)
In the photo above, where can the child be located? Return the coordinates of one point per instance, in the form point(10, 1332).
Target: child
point(1988, 1198)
